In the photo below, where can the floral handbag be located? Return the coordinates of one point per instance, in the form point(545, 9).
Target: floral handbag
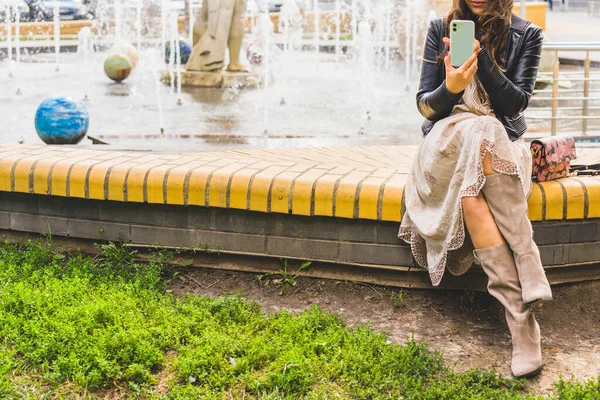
point(552, 157)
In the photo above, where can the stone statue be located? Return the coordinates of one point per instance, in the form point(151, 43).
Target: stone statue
point(219, 26)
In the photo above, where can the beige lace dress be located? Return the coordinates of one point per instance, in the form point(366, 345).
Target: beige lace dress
point(448, 167)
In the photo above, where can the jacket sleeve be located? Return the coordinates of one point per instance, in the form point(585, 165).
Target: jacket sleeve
point(434, 101)
point(512, 97)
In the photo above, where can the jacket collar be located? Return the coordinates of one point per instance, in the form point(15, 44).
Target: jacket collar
point(518, 24)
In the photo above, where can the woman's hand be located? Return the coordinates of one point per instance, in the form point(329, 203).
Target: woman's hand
point(457, 79)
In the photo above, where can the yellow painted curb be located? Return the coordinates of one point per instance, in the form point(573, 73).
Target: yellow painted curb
point(352, 182)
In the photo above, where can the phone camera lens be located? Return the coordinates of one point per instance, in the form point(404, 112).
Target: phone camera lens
point(454, 29)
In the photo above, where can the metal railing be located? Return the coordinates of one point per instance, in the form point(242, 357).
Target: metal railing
point(587, 94)
point(594, 8)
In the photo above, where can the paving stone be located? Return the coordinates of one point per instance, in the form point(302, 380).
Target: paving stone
point(18, 202)
point(228, 241)
point(4, 220)
point(552, 255)
point(247, 222)
point(376, 254)
point(68, 207)
point(582, 253)
point(133, 213)
point(309, 249)
point(549, 233)
point(387, 233)
point(584, 232)
point(208, 218)
point(325, 228)
point(177, 216)
point(152, 235)
point(39, 223)
point(565, 232)
point(102, 230)
point(357, 230)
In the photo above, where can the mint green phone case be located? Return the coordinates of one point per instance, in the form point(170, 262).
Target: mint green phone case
point(462, 36)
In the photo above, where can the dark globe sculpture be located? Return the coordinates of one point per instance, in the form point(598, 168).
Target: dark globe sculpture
point(117, 67)
point(61, 120)
point(122, 59)
point(184, 51)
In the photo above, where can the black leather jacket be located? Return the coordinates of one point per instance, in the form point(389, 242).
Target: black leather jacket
point(508, 91)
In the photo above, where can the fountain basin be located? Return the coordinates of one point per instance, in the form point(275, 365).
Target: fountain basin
point(338, 207)
point(221, 79)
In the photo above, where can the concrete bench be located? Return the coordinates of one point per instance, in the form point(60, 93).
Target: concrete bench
point(339, 207)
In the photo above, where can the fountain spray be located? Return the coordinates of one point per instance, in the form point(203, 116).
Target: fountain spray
point(353, 21)
point(161, 120)
point(176, 51)
point(163, 28)
point(18, 34)
point(364, 42)
point(8, 13)
point(338, 22)
point(191, 15)
point(263, 42)
point(387, 33)
point(407, 52)
point(56, 18)
point(290, 23)
point(118, 23)
point(317, 37)
point(85, 47)
point(172, 36)
point(415, 19)
point(138, 24)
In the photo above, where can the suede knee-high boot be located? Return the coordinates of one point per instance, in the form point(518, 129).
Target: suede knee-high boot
point(503, 283)
point(507, 203)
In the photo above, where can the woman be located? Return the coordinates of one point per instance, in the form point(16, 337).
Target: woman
point(474, 169)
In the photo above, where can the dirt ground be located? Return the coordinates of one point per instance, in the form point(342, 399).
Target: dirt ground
point(468, 327)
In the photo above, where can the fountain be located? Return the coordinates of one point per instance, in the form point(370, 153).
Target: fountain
point(290, 25)
point(356, 88)
point(263, 45)
point(366, 57)
point(56, 19)
point(85, 47)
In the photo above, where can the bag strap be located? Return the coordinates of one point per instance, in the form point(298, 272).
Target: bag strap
point(592, 169)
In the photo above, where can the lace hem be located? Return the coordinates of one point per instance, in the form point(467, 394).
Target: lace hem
point(417, 243)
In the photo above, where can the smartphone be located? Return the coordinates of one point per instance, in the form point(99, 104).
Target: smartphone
point(462, 38)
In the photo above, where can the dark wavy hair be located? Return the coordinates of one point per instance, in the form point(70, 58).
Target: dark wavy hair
point(491, 28)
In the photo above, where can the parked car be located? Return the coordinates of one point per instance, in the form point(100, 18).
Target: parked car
point(27, 11)
point(71, 9)
point(36, 11)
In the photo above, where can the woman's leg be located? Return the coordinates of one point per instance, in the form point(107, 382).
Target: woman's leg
point(498, 263)
point(508, 205)
point(479, 219)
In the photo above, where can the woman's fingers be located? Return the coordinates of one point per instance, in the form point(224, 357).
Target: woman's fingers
point(449, 66)
point(467, 64)
point(446, 41)
point(472, 70)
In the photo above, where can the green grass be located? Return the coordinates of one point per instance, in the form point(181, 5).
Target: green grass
point(74, 326)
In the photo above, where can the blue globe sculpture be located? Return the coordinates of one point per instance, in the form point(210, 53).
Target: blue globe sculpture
point(61, 120)
point(184, 50)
